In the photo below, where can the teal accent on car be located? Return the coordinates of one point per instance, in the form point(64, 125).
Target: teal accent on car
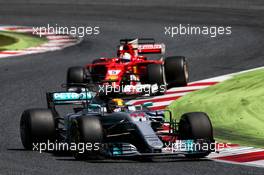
point(69, 96)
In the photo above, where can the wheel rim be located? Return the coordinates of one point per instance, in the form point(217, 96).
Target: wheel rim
point(186, 73)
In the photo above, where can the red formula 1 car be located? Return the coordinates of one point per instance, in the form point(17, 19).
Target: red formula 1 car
point(131, 72)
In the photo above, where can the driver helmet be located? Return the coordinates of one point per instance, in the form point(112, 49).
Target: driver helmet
point(126, 56)
point(115, 105)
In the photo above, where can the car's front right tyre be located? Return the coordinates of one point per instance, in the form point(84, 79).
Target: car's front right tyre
point(37, 126)
point(86, 130)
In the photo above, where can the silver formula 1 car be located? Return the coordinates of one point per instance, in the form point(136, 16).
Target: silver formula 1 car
point(114, 130)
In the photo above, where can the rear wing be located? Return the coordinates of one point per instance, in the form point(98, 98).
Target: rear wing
point(138, 40)
point(151, 48)
point(144, 45)
point(67, 98)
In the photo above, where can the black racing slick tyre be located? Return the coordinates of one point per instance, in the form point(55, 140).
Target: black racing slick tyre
point(196, 125)
point(176, 71)
point(76, 75)
point(155, 75)
point(87, 130)
point(98, 72)
point(37, 126)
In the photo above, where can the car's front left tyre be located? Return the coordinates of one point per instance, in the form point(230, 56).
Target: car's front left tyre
point(195, 126)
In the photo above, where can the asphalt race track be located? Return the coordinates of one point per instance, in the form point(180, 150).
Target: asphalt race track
point(24, 80)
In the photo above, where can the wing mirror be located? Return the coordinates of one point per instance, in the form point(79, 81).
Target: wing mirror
point(94, 106)
point(147, 104)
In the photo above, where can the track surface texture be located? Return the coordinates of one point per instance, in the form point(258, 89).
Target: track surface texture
point(25, 79)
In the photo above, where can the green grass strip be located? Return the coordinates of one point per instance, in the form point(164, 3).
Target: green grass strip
point(235, 107)
point(18, 41)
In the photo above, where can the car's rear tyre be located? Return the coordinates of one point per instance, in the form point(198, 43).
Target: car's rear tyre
point(87, 130)
point(176, 71)
point(155, 75)
point(37, 126)
point(196, 125)
point(98, 72)
point(76, 75)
